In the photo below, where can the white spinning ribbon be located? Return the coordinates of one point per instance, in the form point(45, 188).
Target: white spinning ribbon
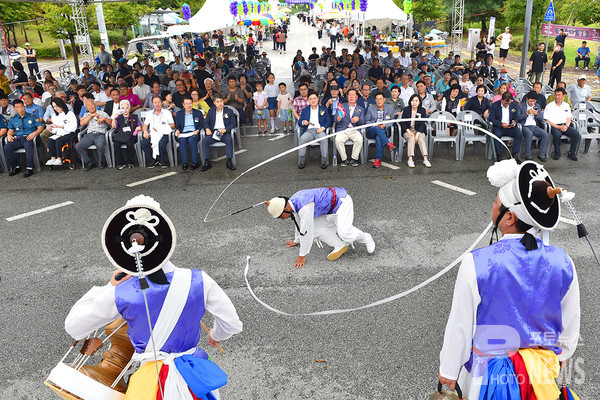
point(377, 303)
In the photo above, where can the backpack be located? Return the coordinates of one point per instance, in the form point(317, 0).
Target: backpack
point(68, 154)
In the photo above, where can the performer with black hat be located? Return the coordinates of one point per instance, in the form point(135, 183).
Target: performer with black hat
point(515, 311)
point(139, 240)
point(323, 214)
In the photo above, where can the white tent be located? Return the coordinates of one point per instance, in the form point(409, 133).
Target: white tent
point(214, 14)
point(383, 13)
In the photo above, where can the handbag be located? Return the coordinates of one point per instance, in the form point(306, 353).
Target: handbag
point(122, 135)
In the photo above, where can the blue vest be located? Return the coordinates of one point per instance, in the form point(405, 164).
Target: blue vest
point(130, 304)
point(322, 197)
point(521, 293)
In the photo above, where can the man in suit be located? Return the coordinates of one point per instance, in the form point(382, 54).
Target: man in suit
point(313, 122)
point(218, 125)
point(504, 116)
point(531, 118)
point(188, 124)
point(380, 112)
point(352, 116)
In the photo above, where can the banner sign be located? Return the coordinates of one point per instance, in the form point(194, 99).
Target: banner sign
point(575, 32)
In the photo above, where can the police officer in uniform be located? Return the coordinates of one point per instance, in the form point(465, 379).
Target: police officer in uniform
point(22, 130)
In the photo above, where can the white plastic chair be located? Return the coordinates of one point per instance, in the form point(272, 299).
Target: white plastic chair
point(176, 146)
point(137, 147)
point(587, 125)
point(237, 130)
point(468, 133)
point(93, 146)
point(214, 147)
point(388, 131)
point(438, 125)
point(36, 159)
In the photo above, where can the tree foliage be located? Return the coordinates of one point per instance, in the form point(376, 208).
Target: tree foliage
point(426, 10)
point(123, 15)
point(15, 11)
point(514, 14)
point(578, 12)
point(483, 7)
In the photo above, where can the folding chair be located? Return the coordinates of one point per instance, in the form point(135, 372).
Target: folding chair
point(469, 134)
point(214, 148)
point(93, 146)
point(137, 147)
point(587, 125)
point(238, 126)
point(438, 126)
point(36, 159)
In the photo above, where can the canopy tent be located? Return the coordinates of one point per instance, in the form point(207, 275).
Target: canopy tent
point(384, 14)
point(213, 15)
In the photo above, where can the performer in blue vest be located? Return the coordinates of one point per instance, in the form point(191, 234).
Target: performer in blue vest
point(177, 298)
point(515, 312)
point(322, 214)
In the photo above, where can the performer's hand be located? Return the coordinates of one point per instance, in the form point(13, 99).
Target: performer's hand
point(300, 262)
point(211, 341)
point(448, 382)
point(291, 243)
point(563, 364)
point(114, 281)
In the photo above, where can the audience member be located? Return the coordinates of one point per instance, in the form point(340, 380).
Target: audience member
point(558, 115)
point(127, 129)
point(313, 122)
point(530, 116)
point(504, 116)
point(415, 131)
point(98, 123)
point(157, 129)
point(379, 113)
point(218, 125)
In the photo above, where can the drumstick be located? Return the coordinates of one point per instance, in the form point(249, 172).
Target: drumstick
point(206, 329)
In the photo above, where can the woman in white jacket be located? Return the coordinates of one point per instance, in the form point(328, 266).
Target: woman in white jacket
point(64, 125)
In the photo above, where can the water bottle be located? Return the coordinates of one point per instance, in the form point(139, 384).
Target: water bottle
point(334, 161)
point(397, 156)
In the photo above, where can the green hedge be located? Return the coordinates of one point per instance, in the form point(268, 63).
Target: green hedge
point(113, 37)
point(53, 52)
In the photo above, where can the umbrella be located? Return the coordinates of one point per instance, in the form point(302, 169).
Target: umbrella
point(285, 10)
point(256, 20)
point(274, 15)
point(333, 14)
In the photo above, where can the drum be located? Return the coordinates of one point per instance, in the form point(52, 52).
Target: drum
point(104, 381)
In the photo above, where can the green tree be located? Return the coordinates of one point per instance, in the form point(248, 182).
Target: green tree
point(123, 15)
point(514, 14)
point(59, 25)
point(583, 11)
point(483, 7)
point(13, 12)
point(426, 10)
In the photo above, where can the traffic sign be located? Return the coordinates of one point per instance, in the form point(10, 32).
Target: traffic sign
point(550, 15)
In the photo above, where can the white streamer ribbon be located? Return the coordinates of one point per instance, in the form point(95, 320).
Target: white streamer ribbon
point(377, 303)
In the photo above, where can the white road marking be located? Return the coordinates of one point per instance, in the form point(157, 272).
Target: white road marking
point(280, 136)
point(223, 157)
point(567, 221)
point(41, 210)
point(455, 188)
point(151, 179)
point(390, 166)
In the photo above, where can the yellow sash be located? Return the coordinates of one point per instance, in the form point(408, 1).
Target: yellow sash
point(542, 368)
point(143, 384)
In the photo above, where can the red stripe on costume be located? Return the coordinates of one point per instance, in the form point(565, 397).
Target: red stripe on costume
point(164, 372)
point(527, 392)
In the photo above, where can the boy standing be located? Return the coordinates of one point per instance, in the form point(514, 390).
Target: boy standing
point(284, 107)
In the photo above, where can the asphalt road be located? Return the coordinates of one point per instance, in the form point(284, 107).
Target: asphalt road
point(387, 352)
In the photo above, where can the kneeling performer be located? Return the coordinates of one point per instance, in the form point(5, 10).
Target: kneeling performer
point(140, 237)
point(324, 214)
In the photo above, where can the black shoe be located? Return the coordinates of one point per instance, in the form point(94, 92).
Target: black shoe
point(184, 167)
point(89, 166)
point(195, 166)
point(354, 162)
point(14, 171)
point(529, 158)
point(130, 166)
point(344, 163)
point(516, 157)
point(571, 156)
point(556, 156)
point(498, 158)
point(323, 165)
point(163, 166)
point(542, 158)
point(301, 165)
point(153, 163)
point(120, 167)
point(206, 166)
point(28, 173)
point(100, 165)
point(230, 165)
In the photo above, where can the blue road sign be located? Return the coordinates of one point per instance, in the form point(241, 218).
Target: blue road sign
point(550, 15)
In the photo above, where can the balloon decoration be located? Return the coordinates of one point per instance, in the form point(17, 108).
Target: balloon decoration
point(233, 8)
point(408, 7)
point(353, 5)
point(187, 13)
point(243, 7)
point(363, 5)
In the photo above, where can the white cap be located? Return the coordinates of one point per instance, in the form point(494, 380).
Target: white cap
point(276, 206)
point(27, 44)
point(582, 77)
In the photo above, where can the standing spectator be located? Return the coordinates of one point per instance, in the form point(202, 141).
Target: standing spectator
point(260, 106)
point(558, 114)
point(333, 38)
point(272, 92)
point(98, 123)
point(300, 102)
point(22, 130)
point(414, 132)
point(13, 54)
point(247, 89)
point(504, 116)
point(379, 113)
point(234, 96)
point(481, 48)
point(141, 89)
point(560, 38)
point(313, 122)
point(558, 63)
point(282, 40)
point(157, 130)
point(117, 52)
point(32, 64)
point(104, 56)
point(218, 125)
point(530, 116)
point(537, 63)
point(583, 54)
point(62, 129)
point(188, 124)
point(580, 91)
point(505, 39)
point(134, 101)
point(284, 107)
point(349, 115)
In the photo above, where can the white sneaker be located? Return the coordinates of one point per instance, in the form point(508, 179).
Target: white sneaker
point(272, 131)
point(57, 161)
point(576, 68)
point(336, 253)
point(50, 162)
point(411, 163)
point(597, 81)
point(427, 164)
point(370, 243)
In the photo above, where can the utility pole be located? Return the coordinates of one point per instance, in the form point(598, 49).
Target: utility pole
point(526, 33)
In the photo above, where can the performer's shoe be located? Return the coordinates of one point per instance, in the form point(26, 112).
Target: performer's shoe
point(336, 253)
point(206, 166)
point(370, 243)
